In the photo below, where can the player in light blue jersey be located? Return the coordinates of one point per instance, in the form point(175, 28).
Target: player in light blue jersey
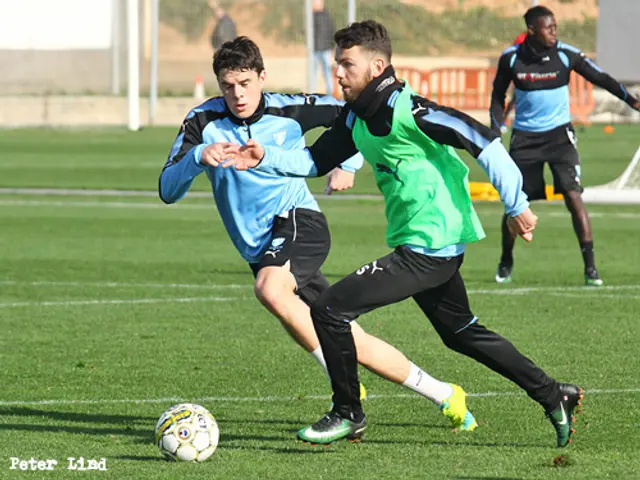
point(540, 68)
point(274, 222)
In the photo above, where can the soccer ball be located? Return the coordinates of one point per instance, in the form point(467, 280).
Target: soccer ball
point(187, 432)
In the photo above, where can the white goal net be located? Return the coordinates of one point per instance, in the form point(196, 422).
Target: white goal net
point(624, 189)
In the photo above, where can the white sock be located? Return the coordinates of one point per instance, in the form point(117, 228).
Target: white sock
point(319, 356)
point(421, 382)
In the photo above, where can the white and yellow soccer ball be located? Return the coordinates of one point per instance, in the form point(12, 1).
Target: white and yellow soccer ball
point(187, 432)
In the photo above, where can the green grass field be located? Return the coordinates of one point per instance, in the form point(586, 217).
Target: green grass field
point(113, 308)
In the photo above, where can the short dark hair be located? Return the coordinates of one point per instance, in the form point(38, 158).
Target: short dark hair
point(370, 35)
point(241, 53)
point(534, 13)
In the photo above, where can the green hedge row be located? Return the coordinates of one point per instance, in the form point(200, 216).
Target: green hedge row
point(415, 31)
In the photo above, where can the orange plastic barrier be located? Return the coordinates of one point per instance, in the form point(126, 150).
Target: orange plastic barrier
point(470, 88)
point(581, 98)
point(462, 88)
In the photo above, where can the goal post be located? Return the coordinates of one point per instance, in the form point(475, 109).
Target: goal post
point(133, 64)
point(624, 189)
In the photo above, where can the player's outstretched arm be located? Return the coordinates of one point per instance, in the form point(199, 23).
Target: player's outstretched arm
point(274, 160)
point(333, 148)
point(589, 70)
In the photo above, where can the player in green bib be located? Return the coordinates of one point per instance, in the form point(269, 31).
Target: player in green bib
point(409, 141)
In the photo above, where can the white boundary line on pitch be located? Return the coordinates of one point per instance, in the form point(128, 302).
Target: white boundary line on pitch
point(192, 206)
point(8, 403)
point(603, 295)
point(124, 285)
point(556, 291)
point(74, 303)
point(560, 291)
point(504, 290)
point(144, 205)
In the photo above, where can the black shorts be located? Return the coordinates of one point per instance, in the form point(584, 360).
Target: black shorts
point(558, 148)
point(303, 239)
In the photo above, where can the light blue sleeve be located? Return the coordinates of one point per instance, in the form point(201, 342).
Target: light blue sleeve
point(505, 176)
point(288, 163)
point(353, 164)
point(176, 179)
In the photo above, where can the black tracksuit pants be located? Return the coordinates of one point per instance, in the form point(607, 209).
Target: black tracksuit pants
point(437, 287)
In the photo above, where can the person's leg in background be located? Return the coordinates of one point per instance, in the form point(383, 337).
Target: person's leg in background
point(566, 171)
point(326, 63)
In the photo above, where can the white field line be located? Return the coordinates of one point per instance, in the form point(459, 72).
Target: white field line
point(602, 295)
point(79, 204)
point(188, 206)
point(488, 291)
point(266, 399)
point(556, 291)
point(70, 192)
point(73, 303)
point(126, 284)
point(560, 291)
point(592, 214)
point(88, 192)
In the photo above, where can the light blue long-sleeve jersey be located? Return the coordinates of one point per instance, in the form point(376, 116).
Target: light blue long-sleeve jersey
point(248, 201)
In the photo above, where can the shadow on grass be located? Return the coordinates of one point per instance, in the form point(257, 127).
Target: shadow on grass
point(116, 431)
point(490, 444)
point(119, 425)
point(72, 416)
point(297, 451)
point(300, 424)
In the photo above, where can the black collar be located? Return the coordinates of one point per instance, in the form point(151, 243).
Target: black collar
point(535, 51)
point(255, 116)
point(376, 94)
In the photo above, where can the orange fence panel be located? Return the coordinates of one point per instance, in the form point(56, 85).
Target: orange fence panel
point(418, 79)
point(581, 98)
point(470, 88)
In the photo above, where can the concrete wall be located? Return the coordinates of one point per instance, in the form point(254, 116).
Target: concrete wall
point(38, 71)
point(618, 39)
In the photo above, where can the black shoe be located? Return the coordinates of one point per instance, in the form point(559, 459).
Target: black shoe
point(503, 275)
point(591, 278)
point(562, 417)
point(333, 427)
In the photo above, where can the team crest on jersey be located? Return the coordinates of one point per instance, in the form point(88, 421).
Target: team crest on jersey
point(280, 137)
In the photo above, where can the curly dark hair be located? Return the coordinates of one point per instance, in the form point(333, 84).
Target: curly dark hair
point(241, 53)
point(369, 35)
